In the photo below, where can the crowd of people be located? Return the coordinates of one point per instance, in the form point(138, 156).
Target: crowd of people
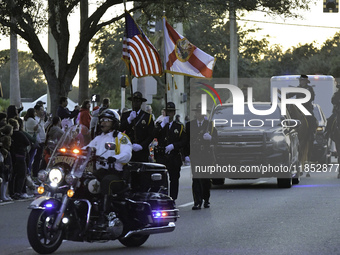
point(26, 142)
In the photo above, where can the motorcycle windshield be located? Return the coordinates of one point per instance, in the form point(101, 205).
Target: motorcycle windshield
point(68, 149)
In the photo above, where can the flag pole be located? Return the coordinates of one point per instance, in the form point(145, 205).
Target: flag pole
point(165, 80)
point(129, 66)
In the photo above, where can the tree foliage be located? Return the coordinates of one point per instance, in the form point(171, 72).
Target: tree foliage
point(32, 80)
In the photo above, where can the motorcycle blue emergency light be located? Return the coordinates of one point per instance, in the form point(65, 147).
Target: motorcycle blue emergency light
point(49, 205)
point(160, 214)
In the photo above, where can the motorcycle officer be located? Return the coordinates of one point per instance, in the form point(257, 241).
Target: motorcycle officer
point(110, 173)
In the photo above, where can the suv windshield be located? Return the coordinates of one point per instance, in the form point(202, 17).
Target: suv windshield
point(226, 113)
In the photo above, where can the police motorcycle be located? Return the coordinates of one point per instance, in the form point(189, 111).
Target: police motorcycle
point(70, 205)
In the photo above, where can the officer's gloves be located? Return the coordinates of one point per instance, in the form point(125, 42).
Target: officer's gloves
point(136, 147)
point(111, 160)
point(165, 121)
point(169, 148)
point(207, 137)
point(132, 116)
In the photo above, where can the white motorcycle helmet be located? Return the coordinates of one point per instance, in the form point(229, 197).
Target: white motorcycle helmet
point(113, 115)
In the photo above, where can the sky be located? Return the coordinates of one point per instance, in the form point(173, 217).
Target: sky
point(315, 26)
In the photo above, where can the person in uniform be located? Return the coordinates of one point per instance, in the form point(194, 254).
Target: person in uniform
point(171, 138)
point(336, 109)
point(107, 172)
point(110, 172)
point(202, 135)
point(138, 125)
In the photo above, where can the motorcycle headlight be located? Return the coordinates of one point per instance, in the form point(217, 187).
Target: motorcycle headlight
point(56, 175)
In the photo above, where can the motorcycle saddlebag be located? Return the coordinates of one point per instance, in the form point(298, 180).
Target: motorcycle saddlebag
point(148, 177)
point(162, 206)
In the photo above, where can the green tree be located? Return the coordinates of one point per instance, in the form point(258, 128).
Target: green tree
point(32, 80)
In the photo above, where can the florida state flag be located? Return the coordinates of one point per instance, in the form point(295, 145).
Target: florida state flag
point(182, 57)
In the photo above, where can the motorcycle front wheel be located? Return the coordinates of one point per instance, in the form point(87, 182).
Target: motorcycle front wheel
point(134, 241)
point(41, 236)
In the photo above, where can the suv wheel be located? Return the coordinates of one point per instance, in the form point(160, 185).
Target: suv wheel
point(284, 182)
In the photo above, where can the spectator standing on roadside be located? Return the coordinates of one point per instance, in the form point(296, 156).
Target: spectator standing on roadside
point(45, 113)
point(94, 125)
point(84, 116)
point(41, 137)
point(7, 167)
point(53, 133)
point(148, 109)
point(18, 153)
point(31, 127)
point(65, 114)
point(3, 119)
point(161, 117)
point(13, 111)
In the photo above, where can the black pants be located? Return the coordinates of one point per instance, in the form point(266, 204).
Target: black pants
point(201, 190)
point(173, 164)
point(19, 174)
point(111, 181)
point(37, 160)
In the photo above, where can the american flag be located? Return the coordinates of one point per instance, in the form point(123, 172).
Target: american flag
point(138, 51)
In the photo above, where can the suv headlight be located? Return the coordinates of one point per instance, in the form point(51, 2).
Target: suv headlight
point(56, 175)
point(279, 142)
point(278, 138)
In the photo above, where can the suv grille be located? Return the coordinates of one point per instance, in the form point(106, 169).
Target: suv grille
point(243, 149)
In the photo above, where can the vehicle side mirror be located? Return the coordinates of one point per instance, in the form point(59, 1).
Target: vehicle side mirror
point(110, 146)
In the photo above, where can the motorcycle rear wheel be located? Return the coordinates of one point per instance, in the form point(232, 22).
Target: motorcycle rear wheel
point(40, 235)
point(134, 241)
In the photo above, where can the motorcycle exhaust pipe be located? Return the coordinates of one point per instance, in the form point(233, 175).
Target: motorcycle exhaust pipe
point(153, 230)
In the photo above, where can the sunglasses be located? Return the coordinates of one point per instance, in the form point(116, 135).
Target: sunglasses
point(105, 119)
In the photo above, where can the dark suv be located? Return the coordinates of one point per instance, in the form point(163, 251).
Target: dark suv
point(255, 146)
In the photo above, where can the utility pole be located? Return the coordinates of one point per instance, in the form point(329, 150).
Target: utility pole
point(84, 64)
point(233, 46)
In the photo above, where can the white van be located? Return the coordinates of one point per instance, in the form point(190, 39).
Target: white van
point(324, 87)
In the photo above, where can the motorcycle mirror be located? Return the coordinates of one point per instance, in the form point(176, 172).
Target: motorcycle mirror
point(110, 146)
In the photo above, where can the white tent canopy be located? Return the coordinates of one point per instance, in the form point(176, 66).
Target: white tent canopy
point(43, 98)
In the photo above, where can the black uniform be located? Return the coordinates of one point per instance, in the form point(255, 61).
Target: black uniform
point(201, 154)
point(140, 131)
point(175, 135)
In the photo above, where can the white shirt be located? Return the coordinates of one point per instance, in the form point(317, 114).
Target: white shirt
point(29, 125)
point(41, 129)
point(125, 149)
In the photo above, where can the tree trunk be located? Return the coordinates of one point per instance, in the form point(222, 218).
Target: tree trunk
point(15, 98)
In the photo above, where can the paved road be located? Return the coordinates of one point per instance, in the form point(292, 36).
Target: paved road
point(246, 217)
